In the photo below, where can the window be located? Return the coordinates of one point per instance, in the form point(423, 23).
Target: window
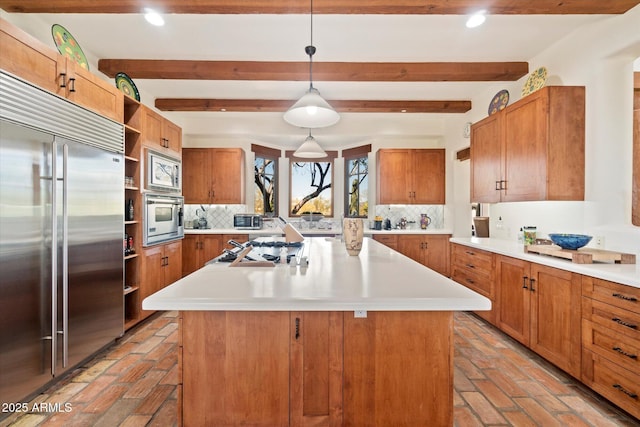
point(265, 179)
point(356, 181)
point(310, 188)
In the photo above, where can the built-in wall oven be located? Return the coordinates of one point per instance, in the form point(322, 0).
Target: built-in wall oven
point(163, 218)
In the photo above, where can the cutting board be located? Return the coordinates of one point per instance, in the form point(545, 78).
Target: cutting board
point(582, 255)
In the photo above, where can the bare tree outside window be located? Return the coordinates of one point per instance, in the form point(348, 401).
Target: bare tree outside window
point(311, 189)
point(266, 185)
point(357, 187)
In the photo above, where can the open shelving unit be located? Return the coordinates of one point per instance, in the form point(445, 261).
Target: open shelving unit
point(133, 184)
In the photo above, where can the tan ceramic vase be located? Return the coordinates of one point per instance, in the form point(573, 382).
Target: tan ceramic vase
point(353, 231)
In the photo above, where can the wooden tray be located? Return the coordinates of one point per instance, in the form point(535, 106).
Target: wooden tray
point(582, 255)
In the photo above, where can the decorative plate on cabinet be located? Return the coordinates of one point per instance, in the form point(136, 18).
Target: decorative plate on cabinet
point(499, 101)
point(68, 46)
point(536, 81)
point(126, 85)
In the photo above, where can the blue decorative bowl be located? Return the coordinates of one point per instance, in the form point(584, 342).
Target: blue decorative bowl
point(570, 241)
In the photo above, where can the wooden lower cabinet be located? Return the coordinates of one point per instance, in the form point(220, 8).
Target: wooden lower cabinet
point(539, 306)
point(611, 341)
point(431, 250)
point(198, 249)
point(474, 269)
point(316, 368)
point(161, 265)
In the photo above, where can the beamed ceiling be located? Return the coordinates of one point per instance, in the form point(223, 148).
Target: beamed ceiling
point(233, 67)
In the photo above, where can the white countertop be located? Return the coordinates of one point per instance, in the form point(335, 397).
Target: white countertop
point(379, 279)
point(313, 231)
point(627, 274)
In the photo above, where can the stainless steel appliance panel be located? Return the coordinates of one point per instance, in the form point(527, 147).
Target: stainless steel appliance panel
point(163, 218)
point(25, 261)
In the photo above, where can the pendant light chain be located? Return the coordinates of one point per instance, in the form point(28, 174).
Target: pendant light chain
point(310, 50)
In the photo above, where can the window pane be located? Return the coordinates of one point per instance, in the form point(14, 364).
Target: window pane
point(357, 187)
point(265, 184)
point(311, 189)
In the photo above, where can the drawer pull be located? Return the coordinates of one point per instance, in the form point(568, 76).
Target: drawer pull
point(624, 297)
point(624, 353)
point(627, 392)
point(470, 281)
point(524, 282)
point(623, 323)
point(470, 265)
point(297, 328)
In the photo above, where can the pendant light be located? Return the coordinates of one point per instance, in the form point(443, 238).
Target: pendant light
point(310, 149)
point(311, 111)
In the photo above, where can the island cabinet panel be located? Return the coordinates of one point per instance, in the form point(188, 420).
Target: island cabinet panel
point(213, 175)
point(316, 368)
point(474, 269)
point(198, 249)
point(235, 368)
point(611, 341)
point(411, 176)
point(531, 150)
point(390, 375)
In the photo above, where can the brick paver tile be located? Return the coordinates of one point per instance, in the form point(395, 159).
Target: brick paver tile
point(94, 388)
point(154, 400)
point(144, 385)
point(537, 412)
point(495, 395)
point(481, 406)
point(587, 411)
point(463, 417)
point(105, 399)
point(136, 372)
point(136, 421)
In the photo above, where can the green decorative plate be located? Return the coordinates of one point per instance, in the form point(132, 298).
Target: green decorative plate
point(126, 85)
point(536, 81)
point(68, 46)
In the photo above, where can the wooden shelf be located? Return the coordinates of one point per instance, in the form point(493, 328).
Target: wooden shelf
point(130, 289)
point(131, 222)
point(131, 130)
point(131, 256)
point(127, 187)
point(131, 159)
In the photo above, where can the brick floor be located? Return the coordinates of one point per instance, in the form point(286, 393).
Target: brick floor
point(497, 383)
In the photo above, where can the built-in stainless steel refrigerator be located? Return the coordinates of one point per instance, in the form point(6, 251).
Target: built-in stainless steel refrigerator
point(61, 236)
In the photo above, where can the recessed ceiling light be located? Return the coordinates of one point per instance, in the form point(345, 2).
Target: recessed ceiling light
point(153, 17)
point(476, 19)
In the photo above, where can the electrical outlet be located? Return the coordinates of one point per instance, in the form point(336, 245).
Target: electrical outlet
point(599, 242)
point(360, 314)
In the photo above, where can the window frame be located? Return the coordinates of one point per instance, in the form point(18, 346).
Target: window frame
point(351, 154)
point(329, 158)
point(269, 154)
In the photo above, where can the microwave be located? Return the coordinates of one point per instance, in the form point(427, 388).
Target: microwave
point(163, 173)
point(247, 221)
point(163, 217)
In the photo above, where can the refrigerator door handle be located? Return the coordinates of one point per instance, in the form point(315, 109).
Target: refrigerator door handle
point(65, 257)
point(54, 257)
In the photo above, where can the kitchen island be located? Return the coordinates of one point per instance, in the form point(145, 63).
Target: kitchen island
point(364, 340)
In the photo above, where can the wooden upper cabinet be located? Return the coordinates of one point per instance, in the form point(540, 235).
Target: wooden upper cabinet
point(39, 64)
point(213, 175)
point(161, 133)
point(411, 176)
point(532, 150)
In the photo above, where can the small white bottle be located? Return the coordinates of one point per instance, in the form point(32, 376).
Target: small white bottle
point(521, 236)
point(283, 255)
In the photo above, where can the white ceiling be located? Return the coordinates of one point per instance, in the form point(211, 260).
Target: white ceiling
point(348, 38)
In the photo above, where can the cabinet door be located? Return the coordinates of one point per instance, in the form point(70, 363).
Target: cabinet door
point(173, 135)
point(428, 176)
point(437, 253)
point(316, 368)
point(512, 276)
point(152, 131)
point(486, 173)
point(31, 59)
point(525, 150)
point(393, 180)
point(173, 262)
point(412, 245)
point(235, 368)
point(555, 316)
point(398, 369)
point(94, 93)
point(196, 176)
point(151, 273)
point(190, 251)
point(227, 175)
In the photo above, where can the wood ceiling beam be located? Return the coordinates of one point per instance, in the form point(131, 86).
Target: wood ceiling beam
point(396, 7)
point(342, 106)
point(322, 71)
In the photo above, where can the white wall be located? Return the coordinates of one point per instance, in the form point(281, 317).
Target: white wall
point(600, 57)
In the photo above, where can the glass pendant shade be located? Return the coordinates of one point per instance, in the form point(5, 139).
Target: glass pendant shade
point(311, 111)
point(310, 149)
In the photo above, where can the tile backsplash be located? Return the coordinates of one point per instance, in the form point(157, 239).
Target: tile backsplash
point(221, 216)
